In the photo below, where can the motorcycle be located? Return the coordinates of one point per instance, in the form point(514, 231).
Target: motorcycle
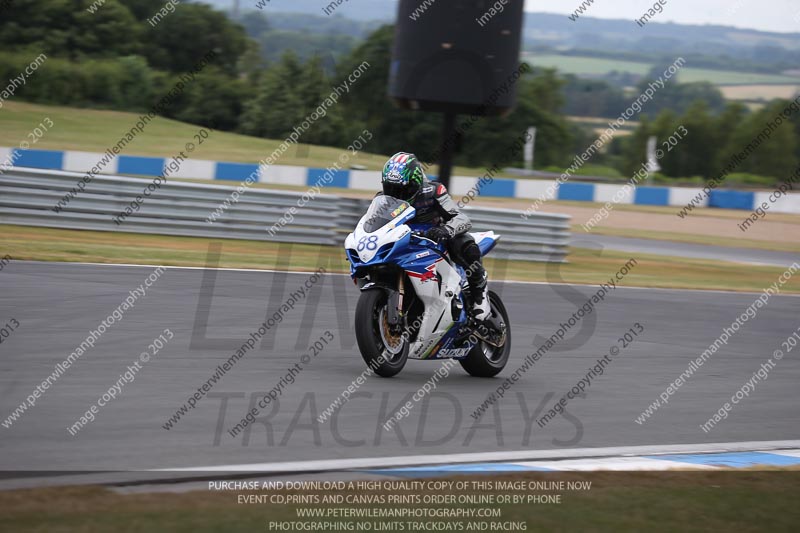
point(415, 300)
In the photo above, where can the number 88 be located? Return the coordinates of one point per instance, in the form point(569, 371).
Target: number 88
point(370, 243)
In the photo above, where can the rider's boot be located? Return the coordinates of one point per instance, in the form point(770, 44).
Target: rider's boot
point(476, 277)
point(481, 309)
point(480, 297)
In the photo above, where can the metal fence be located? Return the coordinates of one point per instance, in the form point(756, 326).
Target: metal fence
point(28, 197)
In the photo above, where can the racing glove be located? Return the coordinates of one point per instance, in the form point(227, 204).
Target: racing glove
point(438, 234)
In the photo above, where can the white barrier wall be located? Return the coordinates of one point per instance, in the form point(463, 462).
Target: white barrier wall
point(370, 180)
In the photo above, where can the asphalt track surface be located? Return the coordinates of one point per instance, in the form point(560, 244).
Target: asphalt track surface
point(683, 249)
point(57, 304)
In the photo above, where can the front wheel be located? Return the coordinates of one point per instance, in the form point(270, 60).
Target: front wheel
point(384, 351)
point(485, 360)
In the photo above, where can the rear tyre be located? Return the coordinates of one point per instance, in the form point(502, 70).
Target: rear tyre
point(384, 352)
point(485, 360)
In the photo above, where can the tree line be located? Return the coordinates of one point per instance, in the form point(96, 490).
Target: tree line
point(113, 58)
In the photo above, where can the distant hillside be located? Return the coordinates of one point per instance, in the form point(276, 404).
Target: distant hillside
point(558, 30)
point(707, 46)
point(382, 10)
point(710, 46)
point(555, 29)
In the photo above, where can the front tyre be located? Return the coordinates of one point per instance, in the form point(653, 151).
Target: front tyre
point(384, 351)
point(485, 360)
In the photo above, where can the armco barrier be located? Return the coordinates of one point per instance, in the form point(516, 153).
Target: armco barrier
point(27, 197)
point(531, 189)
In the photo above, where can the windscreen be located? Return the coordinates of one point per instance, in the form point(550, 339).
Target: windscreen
point(382, 211)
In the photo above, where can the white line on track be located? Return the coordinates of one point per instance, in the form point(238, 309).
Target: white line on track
point(488, 457)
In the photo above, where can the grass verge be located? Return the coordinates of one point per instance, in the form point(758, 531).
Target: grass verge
point(744, 501)
point(585, 266)
point(92, 130)
point(712, 212)
point(584, 65)
point(691, 238)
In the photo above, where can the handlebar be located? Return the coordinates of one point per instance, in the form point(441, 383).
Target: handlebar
point(419, 235)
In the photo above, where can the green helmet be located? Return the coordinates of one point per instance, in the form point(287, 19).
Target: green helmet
point(402, 176)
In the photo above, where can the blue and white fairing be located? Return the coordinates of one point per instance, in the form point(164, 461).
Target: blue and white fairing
point(383, 236)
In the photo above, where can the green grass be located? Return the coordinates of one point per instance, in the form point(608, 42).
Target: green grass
point(712, 212)
point(728, 77)
point(745, 502)
point(585, 266)
point(591, 169)
point(92, 130)
point(586, 65)
point(582, 65)
point(692, 238)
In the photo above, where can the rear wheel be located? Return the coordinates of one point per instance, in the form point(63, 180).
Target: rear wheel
point(384, 351)
point(486, 360)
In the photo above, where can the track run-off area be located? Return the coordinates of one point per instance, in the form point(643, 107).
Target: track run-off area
point(308, 358)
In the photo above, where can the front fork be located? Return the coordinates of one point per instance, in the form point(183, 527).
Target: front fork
point(394, 306)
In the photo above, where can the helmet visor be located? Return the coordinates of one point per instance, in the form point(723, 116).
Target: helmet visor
point(400, 191)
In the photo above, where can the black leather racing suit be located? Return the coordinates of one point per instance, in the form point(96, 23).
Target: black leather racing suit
point(434, 205)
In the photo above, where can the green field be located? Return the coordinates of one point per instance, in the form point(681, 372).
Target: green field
point(585, 266)
point(586, 65)
point(582, 65)
point(744, 501)
point(92, 130)
point(696, 238)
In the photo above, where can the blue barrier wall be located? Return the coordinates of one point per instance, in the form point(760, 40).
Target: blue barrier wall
point(143, 166)
point(500, 187)
point(731, 199)
point(235, 171)
point(338, 178)
point(582, 192)
point(50, 159)
point(651, 196)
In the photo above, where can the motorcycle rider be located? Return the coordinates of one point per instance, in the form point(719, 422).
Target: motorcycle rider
point(403, 178)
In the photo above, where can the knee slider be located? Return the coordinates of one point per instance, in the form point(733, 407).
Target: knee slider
point(471, 252)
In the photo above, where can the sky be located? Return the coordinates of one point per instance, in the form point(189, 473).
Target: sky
point(766, 15)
